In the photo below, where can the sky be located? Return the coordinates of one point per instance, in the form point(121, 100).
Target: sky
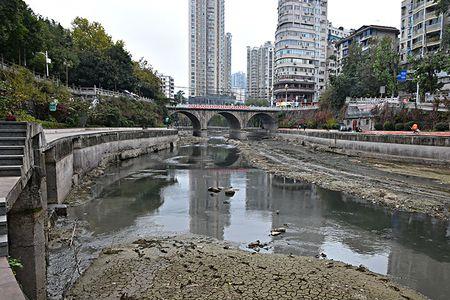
point(158, 30)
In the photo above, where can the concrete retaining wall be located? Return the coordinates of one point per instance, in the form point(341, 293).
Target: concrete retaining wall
point(417, 147)
point(70, 158)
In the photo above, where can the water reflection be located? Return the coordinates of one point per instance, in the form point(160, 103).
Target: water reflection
point(170, 195)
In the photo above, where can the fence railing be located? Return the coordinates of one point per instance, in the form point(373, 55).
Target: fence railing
point(93, 92)
point(241, 107)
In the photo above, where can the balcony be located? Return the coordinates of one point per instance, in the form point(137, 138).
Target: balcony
point(433, 28)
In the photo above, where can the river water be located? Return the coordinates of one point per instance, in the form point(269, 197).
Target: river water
point(167, 194)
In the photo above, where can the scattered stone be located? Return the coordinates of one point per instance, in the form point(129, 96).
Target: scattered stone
point(361, 268)
point(254, 245)
point(214, 190)
point(110, 251)
point(230, 193)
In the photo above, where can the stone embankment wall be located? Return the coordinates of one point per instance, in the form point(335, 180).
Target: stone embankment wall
point(423, 147)
point(68, 159)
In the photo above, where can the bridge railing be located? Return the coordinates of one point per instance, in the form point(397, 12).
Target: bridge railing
point(241, 107)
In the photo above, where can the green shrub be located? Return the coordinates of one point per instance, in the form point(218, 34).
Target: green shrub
point(378, 126)
point(388, 126)
point(399, 126)
point(409, 125)
point(312, 124)
point(332, 124)
point(441, 127)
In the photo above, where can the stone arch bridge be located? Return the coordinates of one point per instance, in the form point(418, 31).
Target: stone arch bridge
point(238, 117)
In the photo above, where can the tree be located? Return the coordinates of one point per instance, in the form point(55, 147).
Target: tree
point(180, 97)
point(19, 31)
point(257, 102)
point(427, 69)
point(89, 36)
point(442, 6)
point(148, 85)
point(385, 61)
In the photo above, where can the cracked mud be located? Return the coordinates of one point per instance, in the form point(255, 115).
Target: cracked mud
point(200, 268)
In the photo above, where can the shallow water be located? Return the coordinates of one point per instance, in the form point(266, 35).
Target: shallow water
point(168, 194)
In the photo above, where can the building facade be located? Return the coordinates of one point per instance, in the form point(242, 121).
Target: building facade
point(422, 28)
point(167, 86)
point(208, 48)
point(239, 80)
point(300, 50)
point(364, 37)
point(260, 71)
point(334, 35)
point(227, 71)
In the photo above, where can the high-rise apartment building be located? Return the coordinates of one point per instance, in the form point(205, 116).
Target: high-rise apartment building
point(239, 80)
point(300, 50)
point(334, 35)
point(365, 38)
point(421, 28)
point(260, 62)
point(210, 48)
point(227, 71)
point(167, 85)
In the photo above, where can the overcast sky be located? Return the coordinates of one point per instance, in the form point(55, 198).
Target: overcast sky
point(158, 29)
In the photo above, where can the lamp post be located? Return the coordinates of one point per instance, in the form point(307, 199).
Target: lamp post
point(47, 62)
point(286, 87)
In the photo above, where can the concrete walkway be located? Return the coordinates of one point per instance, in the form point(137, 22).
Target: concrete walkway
point(52, 135)
point(9, 288)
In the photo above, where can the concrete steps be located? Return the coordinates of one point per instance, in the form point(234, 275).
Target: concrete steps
point(13, 125)
point(3, 245)
point(3, 226)
point(12, 150)
point(11, 160)
point(13, 137)
point(3, 229)
point(10, 171)
point(12, 141)
point(13, 132)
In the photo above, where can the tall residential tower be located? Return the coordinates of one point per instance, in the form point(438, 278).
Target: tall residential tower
point(210, 48)
point(300, 50)
point(260, 71)
point(422, 28)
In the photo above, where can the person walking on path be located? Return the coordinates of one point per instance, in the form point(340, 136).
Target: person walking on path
point(10, 117)
point(415, 129)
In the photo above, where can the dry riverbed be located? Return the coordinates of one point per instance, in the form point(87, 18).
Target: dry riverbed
point(403, 186)
point(201, 268)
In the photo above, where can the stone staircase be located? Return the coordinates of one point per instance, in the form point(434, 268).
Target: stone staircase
point(12, 146)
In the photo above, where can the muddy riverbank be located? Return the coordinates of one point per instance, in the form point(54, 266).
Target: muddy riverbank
point(399, 186)
point(200, 268)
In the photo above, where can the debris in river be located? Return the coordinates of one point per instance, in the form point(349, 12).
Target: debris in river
point(214, 190)
point(230, 193)
point(277, 231)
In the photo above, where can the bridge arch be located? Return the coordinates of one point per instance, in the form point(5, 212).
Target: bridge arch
point(195, 120)
point(233, 121)
point(268, 121)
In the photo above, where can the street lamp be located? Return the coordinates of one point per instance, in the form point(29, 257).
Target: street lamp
point(47, 62)
point(286, 87)
point(67, 64)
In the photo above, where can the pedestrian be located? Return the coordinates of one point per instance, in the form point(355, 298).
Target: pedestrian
point(415, 129)
point(10, 117)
